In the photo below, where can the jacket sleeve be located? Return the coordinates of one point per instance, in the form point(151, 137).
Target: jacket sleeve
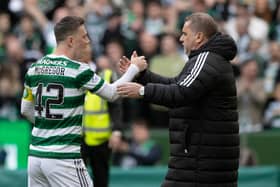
point(150, 77)
point(194, 84)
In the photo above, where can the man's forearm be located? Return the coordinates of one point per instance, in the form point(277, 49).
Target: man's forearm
point(109, 91)
point(147, 76)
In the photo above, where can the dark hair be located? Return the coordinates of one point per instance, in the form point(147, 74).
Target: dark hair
point(140, 122)
point(247, 60)
point(202, 22)
point(67, 26)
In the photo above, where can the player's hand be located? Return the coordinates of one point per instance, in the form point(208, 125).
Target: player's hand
point(129, 89)
point(125, 62)
point(139, 61)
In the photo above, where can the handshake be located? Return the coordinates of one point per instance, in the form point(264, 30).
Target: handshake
point(131, 89)
point(139, 61)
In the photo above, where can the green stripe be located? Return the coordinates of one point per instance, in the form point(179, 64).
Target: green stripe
point(84, 77)
point(42, 123)
point(27, 79)
point(64, 61)
point(67, 82)
point(101, 82)
point(69, 102)
point(69, 139)
point(54, 155)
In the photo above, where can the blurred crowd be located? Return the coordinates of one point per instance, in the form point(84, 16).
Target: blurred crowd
point(152, 27)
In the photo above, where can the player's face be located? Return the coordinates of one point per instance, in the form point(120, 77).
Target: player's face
point(82, 43)
point(188, 38)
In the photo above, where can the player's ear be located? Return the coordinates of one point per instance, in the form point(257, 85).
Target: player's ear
point(70, 41)
point(199, 37)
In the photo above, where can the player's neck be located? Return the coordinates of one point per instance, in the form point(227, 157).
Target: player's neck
point(61, 50)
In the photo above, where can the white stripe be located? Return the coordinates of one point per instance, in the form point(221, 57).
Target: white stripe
point(56, 148)
point(93, 82)
point(78, 172)
point(63, 56)
point(73, 92)
point(197, 73)
point(68, 92)
point(83, 67)
point(66, 112)
point(193, 69)
point(69, 72)
point(46, 133)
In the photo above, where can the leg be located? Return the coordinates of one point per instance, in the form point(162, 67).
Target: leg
point(100, 164)
point(67, 172)
point(36, 177)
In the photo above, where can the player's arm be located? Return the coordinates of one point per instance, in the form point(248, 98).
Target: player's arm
point(27, 105)
point(109, 91)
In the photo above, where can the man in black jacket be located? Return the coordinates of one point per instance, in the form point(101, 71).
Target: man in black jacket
point(204, 132)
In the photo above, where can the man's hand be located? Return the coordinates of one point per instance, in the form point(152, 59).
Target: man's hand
point(115, 140)
point(124, 147)
point(129, 89)
point(140, 62)
point(125, 62)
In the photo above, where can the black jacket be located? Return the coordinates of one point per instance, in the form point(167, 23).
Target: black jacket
point(203, 129)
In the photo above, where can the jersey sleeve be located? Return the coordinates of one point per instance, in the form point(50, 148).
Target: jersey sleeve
point(27, 101)
point(89, 80)
point(27, 80)
point(27, 92)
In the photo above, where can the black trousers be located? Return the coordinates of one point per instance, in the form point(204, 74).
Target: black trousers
point(98, 158)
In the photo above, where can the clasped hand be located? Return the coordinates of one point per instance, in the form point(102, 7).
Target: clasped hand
point(140, 62)
point(131, 89)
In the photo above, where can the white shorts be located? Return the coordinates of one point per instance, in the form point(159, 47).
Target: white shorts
point(45, 172)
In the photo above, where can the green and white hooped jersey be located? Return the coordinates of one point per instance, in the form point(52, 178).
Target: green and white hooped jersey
point(58, 86)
